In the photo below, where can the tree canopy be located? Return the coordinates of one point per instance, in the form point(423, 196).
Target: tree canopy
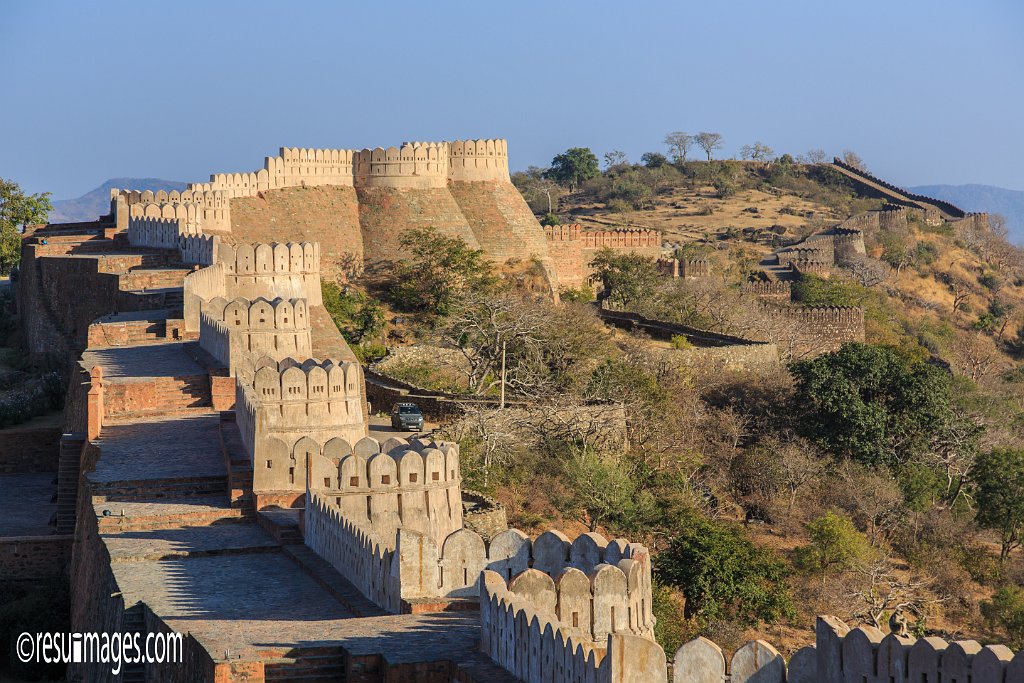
point(17, 210)
point(998, 477)
point(724, 575)
point(872, 404)
point(573, 167)
point(440, 269)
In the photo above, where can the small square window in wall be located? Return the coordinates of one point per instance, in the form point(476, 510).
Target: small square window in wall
point(412, 477)
point(436, 476)
point(385, 479)
point(353, 481)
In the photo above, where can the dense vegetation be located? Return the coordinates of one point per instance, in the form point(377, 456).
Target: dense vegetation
point(886, 475)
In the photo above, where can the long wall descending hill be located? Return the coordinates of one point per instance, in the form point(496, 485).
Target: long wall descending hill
point(935, 210)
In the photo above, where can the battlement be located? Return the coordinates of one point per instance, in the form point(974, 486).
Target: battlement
point(414, 486)
point(569, 232)
point(478, 160)
point(839, 315)
point(768, 290)
point(198, 249)
point(685, 268)
point(810, 265)
point(413, 165)
point(201, 209)
point(288, 412)
point(239, 329)
point(158, 232)
point(578, 630)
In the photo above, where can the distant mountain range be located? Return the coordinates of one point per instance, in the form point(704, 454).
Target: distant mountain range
point(1009, 203)
point(96, 203)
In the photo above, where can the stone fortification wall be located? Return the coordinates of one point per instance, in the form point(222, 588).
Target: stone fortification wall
point(385, 212)
point(572, 249)
point(935, 209)
point(478, 160)
point(282, 270)
point(287, 413)
point(780, 291)
point(200, 209)
point(685, 268)
point(242, 330)
point(419, 165)
point(248, 271)
point(813, 330)
point(159, 233)
point(522, 633)
point(384, 488)
point(540, 631)
point(501, 221)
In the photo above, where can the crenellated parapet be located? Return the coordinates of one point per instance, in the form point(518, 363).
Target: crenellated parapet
point(201, 210)
point(289, 412)
point(420, 165)
point(159, 233)
point(396, 485)
point(239, 330)
point(478, 160)
point(249, 271)
point(579, 627)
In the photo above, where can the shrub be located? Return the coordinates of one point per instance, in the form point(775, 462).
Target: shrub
point(1006, 611)
point(550, 219)
point(724, 575)
point(835, 545)
point(679, 341)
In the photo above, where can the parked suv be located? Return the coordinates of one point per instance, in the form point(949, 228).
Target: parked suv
point(406, 417)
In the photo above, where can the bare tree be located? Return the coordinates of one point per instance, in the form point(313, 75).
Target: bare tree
point(867, 271)
point(958, 287)
point(709, 142)
point(614, 158)
point(882, 591)
point(757, 152)
point(679, 144)
point(975, 356)
point(851, 158)
point(816, 156)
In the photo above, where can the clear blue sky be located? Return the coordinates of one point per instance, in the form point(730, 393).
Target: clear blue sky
point(926, 91)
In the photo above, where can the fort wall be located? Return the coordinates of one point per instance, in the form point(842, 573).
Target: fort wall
point(243, 330)
point(395, 486)
point(572, 249)
point(287, 413)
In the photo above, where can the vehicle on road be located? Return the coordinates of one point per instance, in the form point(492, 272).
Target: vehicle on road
point(406, 417)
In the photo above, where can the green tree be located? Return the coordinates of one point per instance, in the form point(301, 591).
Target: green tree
point(599, 489)
point(626, 278)
point(835, 545)
point(16, 211)
point(442, 268)
point(876, 406)
point(356, 315)
point(725, 576)
point(653, 159)
point(1006, 611)
point(998, 477)
point(571, 168)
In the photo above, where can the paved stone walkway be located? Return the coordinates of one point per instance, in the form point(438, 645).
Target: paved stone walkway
point(25, 507)
point(144, 361)
point(192, 541)
point(169, 447)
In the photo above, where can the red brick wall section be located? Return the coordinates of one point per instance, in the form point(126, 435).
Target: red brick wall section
point(31, 558)
point(29, 449)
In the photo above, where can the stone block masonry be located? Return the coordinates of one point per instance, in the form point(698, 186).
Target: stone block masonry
point(572, 249)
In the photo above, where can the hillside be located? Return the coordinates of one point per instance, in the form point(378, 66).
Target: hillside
point(96, 202)
point(988, 198)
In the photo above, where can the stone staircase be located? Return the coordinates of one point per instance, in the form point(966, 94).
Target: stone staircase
point(310, 665)
point(134, 622)
point(68, 471)
point(158, 396)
